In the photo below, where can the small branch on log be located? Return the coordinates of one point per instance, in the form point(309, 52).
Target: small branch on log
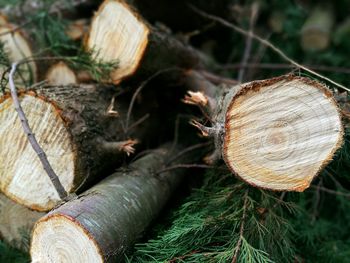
point(31, 138)
point(124, 146)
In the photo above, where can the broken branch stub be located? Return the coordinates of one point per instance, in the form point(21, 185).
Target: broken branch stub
point(277, 133)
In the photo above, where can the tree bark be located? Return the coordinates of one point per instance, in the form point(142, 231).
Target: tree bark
point(78, 128)
point(102, 223)
point(276, 133)
point(119, 33)
point(16, 223)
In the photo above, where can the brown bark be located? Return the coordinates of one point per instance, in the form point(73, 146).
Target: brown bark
point(82, 137)
point(110, 216)
point(141, 49)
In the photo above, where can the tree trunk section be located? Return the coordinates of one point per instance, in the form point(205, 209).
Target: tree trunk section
point(80, 132)
point(119, 33)
point(102, 223)
point(276, 134)
point(16, 223)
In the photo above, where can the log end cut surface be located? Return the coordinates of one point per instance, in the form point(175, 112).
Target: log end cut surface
point(281, 132)
point(22, 177)
point(60, 239)
point(117, 34)
point(60, 74)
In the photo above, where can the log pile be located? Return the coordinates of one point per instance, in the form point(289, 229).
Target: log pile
point(274, 134)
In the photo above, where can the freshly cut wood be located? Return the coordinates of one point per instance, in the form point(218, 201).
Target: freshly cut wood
point(16, 223)
point(60, 74)
point(316, 32)
point(276, 133)
point(102, 223)
point(77, 29)
point(77, 127)
point(17, 48)
point(118, 33)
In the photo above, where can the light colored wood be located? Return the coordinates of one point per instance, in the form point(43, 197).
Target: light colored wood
point(106, 220)
point(77, 29)
point(316, 32)
point(22, 176)
point(117, 34)
point(16, 223)
point(280, 133)
point(60, 74)
point(17, 48)
point(78, 129)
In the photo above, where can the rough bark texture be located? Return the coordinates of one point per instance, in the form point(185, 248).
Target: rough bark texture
point(140, 49)
point(111, 214)
point(291, 125)
point(16, 223)
point(80, 132)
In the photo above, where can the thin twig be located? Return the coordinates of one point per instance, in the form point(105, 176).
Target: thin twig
point(324, 189)
point(248, 43)
point(177, 166)
point(266, 43)
point(139, 89)
point(241, 230)
point(31, 138)
point(188, 149)
point(138, 122)
point(274, 66)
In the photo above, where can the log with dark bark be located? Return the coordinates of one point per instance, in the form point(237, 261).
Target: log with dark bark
point(102, 223)
point(119, 33)
point(76, 126)
point(276, 133)
point(16, 223)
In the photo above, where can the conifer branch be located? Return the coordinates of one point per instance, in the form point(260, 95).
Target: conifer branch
point(241, 230)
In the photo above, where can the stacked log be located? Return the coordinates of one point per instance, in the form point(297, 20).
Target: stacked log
point(72, 124)
point(103, 222)
point(16, 223)
point(119, 33)
point(275, 134)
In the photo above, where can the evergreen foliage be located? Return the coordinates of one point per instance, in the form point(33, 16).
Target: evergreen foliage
point(9, 254)
point(220, 219)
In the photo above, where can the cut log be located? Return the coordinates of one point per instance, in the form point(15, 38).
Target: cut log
point(78, 129)
point(118, 33)
point(102, 223)
point(16, 223)
point(276, 133)
point(17, 48)
point(316, 32)
point(77, 29)
point(61, 75)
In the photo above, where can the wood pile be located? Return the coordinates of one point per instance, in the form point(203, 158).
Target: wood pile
point(277, 134)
